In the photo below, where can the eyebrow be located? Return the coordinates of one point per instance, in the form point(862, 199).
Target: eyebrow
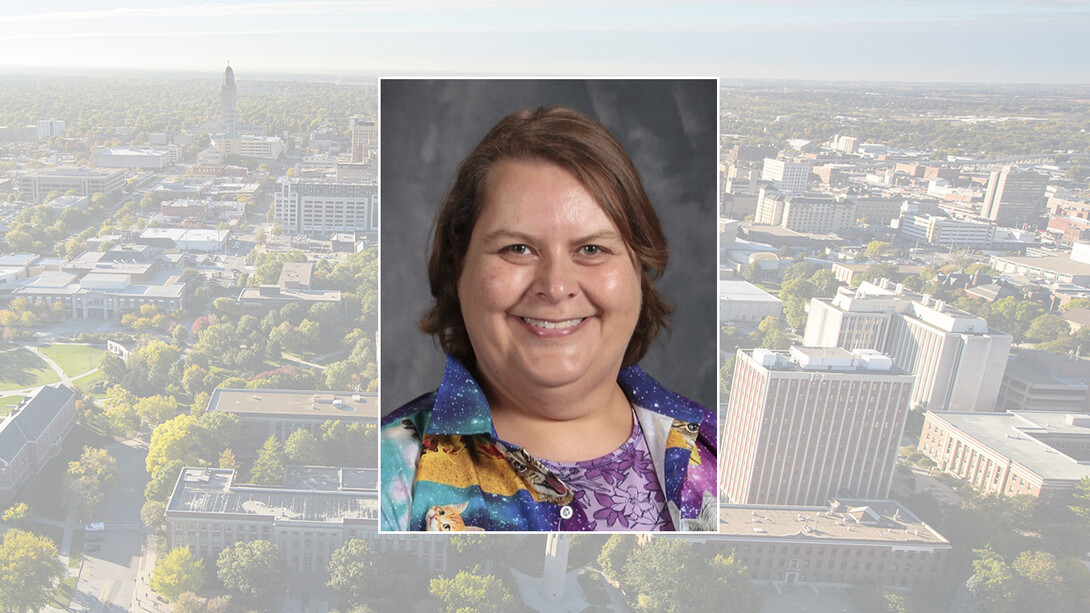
point(523, 237)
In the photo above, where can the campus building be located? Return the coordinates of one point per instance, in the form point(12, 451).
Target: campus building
point(1015, 197)
point(741, 301)
point(785, 175)
point(33, 433)
point(36, 185)
point(955, 356)
point(840, 544)
point(808, 214)
point(1037, 380)
point(812, 424)
point(279, 413)
point(315, 512)
point(324, 207)
point(1039, 453)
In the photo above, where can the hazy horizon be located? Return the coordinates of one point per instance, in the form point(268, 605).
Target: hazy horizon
point(921, 41)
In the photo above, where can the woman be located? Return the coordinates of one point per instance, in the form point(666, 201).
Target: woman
point(542, 262)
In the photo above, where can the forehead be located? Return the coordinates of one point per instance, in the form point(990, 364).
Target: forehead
point(524, 189)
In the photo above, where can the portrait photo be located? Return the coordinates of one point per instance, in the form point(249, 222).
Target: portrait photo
point(548, 304)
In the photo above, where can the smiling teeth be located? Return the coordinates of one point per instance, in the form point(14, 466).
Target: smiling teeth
point(552, 325)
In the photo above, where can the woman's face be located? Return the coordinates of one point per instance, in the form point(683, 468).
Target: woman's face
point(549, 291)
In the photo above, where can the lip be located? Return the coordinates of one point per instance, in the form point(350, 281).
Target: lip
point(549, 327)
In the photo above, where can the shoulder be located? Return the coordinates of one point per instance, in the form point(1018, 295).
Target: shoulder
point(416, 412)
point(400, 453)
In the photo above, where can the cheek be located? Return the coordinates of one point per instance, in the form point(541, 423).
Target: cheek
point(493, 286)
point(620, 289)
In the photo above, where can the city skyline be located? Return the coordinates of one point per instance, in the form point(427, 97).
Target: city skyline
point(1020, 41)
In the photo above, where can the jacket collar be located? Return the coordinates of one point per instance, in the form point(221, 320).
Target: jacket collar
point(461, 406)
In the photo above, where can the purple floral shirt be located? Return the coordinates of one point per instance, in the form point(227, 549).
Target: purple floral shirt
point(618, 491)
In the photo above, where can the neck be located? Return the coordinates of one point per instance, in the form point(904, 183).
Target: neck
point(561, 424)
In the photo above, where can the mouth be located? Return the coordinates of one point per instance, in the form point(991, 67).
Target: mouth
point(546, 324)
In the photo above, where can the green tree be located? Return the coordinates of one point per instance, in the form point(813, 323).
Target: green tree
point(154, 410)
point(30, 568)
point(877, 248)
point(86, 480)
point(119, 406)
point(253, 569)
point(355, 570)
point(153, 513)
point(728, 581)
point(1081, 499)
point(472, 592)
point(879, 271)
point(18, 515)
point(614, 553)
point(726, 375)
point(994, 581)
point(1047, 327)
point(302, 449)
point(177, 572)
point(268, 468)
point(188, 602)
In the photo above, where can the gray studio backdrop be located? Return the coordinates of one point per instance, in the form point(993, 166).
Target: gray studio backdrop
point(668, 128)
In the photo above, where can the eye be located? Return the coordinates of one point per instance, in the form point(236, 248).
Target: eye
point(517, 249)
point(590, 250)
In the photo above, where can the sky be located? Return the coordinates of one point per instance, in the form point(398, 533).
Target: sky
point(990, 41)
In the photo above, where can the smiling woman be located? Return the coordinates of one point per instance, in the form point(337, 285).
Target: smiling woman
point(542, 265)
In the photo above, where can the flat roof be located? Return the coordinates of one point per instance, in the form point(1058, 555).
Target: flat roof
point(306, 295)
point(328, 405)
point(1010, 435)
point(866, 521)
point(743, 291)
point(212, 490)
point(1061, 264)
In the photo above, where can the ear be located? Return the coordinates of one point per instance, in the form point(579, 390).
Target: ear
point(461, 508)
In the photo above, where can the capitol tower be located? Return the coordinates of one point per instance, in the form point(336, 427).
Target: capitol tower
point(229, 103)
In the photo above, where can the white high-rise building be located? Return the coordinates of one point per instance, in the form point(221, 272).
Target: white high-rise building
point(325, 207)
point(957, 359)
point(785, 175)
point(817, 423)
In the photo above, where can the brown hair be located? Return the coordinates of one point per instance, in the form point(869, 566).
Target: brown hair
point(583, 147)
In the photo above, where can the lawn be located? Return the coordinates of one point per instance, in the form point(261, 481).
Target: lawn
point(86, 382)
point(62, 597)
point(20, 368)
point(74, 359)
point(5, 401)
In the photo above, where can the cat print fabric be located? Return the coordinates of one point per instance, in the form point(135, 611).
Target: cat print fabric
point(444, 469)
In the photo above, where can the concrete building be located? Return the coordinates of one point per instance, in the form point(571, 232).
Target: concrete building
point(148, 159)
point(295, 275)
point(808, 214)
point(840, 544)
point(785, 175)
point(229, 103)
point(364, 137)
point(1058, 268)
point(272, 412)
point(325, 207)
point(250, 146)
point(1042, 454)
point(941, 231)
point(258, 301)
point(1015, 197)
point(36, 185)
point(33, 434)
point(955, 356)
point(741, 301)
point(48, 128)
point(749, 153)
point(1037, 380)
point(817, 423)
point(314, 513)
point(186, 239)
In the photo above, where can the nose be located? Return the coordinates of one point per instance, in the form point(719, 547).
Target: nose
point(555, 279)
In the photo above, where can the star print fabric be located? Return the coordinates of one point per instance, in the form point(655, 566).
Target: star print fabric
point(443, 467)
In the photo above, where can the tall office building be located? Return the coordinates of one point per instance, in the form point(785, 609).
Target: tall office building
point(809, 214)
point(364, 138)
point(229, 103)
point(1015, 197)
point(323, 207)
point(957, 359)
point(812, 425)
point(48, 128)
point(786, 176)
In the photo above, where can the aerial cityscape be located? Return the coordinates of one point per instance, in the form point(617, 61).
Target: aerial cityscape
point(189, 316)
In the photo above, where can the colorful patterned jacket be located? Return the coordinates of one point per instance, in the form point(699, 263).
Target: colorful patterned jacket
point(440, 454)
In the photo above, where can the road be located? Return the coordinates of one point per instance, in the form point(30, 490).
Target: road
point(108, 579)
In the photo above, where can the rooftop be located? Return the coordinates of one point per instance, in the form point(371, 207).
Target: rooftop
point(30, 419)
point(213, 490)
point(743, 291)
point(1011, 435)
point(329, 405)
point(881, 521)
